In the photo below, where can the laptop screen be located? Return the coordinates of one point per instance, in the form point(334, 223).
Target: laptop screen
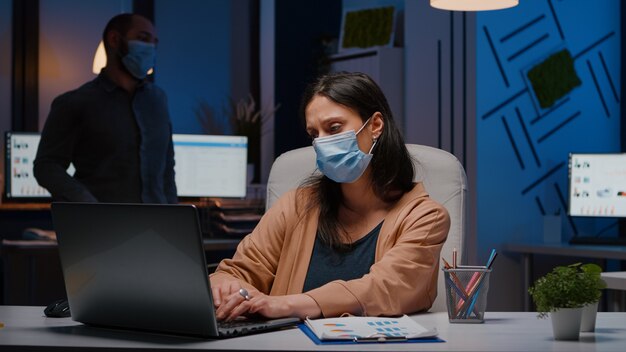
point(142, 267)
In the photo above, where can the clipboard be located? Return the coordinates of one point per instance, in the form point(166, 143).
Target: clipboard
point(305, 329)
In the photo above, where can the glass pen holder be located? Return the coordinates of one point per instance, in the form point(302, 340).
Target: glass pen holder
point(466, 293)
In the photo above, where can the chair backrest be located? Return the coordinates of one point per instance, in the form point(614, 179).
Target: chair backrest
point(441, 173)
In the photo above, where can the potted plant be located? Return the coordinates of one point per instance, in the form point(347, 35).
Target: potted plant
point(592, 272)
point(246, 119)
point(239, 117)
point(563, 293)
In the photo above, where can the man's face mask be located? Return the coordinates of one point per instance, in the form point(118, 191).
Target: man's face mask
point(140, 58)
point(339, 157)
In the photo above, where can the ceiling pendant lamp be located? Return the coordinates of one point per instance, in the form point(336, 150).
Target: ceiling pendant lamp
point(473, 5)
point(100, 59)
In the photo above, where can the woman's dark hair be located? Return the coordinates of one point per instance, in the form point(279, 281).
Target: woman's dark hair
point(392, 167)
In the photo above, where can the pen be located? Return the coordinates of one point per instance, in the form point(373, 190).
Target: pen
point(470, 286)
point(463, 296)
point(379, 339)
point(492, 260)
point(460, 293)
point(454, 258)
point(471, 306)
point(470, 296)
point(458, 287)
point(452, 274)
point(492, 256)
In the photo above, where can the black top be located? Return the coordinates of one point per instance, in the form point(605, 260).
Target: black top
point(328, 264)
point(120, 144)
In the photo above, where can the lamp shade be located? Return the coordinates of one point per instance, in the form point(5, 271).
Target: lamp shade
point(473, 5)
point(100, 59)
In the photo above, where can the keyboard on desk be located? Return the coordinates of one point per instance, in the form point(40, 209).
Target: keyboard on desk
point(247, 326)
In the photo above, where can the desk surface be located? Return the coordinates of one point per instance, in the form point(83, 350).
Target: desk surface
point(18, 206)
point(209, 244)
point(29, 206)
point(566, 249)
point(615, 280)
point(26, 328)
point(528, 250)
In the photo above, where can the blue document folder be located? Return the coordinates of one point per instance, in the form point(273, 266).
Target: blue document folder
point(305, 329)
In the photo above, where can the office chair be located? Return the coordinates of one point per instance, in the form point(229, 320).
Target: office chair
point(441, 173)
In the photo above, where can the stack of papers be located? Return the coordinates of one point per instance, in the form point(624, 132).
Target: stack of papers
point(357, 328)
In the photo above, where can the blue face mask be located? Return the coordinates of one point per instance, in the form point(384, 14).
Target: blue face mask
point(339, 157)
point(140, 59)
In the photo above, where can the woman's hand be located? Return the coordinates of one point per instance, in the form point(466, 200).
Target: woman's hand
point(230, 303)
point(298, 305)
point(224, 289)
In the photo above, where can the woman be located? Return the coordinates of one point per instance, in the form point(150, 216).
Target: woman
point(361, 239)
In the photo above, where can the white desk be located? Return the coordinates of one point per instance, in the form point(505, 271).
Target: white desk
point(527, 250)
point(615, 280)
point(27, 329)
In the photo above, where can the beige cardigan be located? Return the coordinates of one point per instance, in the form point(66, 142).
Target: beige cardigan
point(275, 258)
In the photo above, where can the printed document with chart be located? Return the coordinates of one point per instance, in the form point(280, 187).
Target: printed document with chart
point(349, 328)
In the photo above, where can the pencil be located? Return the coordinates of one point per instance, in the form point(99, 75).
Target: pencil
point(454, 258)
point(454, 277)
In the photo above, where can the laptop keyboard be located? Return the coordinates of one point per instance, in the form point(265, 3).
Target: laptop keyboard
point(239, 327)
point(245, 326)
point(238, 323)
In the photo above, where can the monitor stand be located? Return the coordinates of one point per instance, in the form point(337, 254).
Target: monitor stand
point(611, 241)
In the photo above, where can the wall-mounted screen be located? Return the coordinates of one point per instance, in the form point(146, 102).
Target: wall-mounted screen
point(210, 166)
point(20, 151)
point(597, 185)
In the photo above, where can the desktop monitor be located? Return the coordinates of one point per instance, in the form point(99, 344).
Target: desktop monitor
point(210, 166)
point(597, 185)
point(597, 192)
point(20, 151)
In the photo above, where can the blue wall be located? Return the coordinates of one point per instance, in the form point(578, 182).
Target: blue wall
point(193, 56)
point(194, 59)
point(522, 150)
point(69, 33)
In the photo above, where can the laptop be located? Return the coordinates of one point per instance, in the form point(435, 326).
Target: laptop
point(141, 266)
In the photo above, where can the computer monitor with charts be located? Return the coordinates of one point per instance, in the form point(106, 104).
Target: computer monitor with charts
point(20, 151)
point(210, 166)
point(597, 185)
point(597, 189)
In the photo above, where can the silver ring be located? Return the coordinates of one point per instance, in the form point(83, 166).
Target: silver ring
point(244, 293)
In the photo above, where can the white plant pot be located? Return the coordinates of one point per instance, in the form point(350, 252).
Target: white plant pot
point(588, 322)
point(566, 323)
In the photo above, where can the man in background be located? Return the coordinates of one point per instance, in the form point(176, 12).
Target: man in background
point(115, 130)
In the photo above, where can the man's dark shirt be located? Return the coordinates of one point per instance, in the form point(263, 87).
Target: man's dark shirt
point(120, 144)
